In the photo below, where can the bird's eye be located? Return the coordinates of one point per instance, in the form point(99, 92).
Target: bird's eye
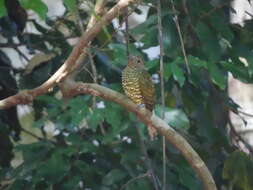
point(138, 61)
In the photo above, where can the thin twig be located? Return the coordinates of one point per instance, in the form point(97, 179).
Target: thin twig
point(134, 179)
point(180, 37)
point(233, 130)
point(127, 33)
point(147, 160)
point(94, 74)
point(244, 113)
point(31, 134)
point(88, 71)
point(79, 19)
point(163, 128)
point(21, 54)
point(248, 13)
point(159, 10)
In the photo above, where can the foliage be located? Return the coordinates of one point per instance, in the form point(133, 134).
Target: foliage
point(97, 144)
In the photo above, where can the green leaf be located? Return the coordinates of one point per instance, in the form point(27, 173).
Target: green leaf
point(174, 117)
point(151, 64)
point(195, 61)
point(167, 71)
point(34, 151)
point(178, 73)
point(209, 42)
point(119, 53)
point(187, 176)
point(95, 118)
point(238, 169)
point(238, 71)
point(113, 177)
point(71, 5)
point(54, 169)
point(18, 184)
point(78, 109)
point(242, 51)
point(151, 20)
point(217, 76)
point(72, 183)
point(37, 6)
point(3, 11)
point(113, 115)
point(218, 19)
point(150, 38)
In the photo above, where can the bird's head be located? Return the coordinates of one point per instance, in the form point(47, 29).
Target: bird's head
point(135, 61)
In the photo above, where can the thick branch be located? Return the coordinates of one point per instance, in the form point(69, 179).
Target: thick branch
point(172, 136)
point(70, 63)
point(164, 129)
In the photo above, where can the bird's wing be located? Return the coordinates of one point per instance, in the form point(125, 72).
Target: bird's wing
point(147, 89)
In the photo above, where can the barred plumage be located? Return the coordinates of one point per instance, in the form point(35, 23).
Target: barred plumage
point(138, 85)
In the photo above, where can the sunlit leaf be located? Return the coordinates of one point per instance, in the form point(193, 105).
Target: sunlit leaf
point(71, 5)
point(37, 6)
point(3, 11)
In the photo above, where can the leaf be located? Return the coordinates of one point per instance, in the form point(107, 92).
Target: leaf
point(53, 169)
point(167, 71)
point(178, 73)
point(71, 5)
point(151, 64)
point(238, 169)
point(209, 42)
point(195, 61)
point(140, 29)
point(238, 71)
point(170, 40)
point(94, 118)
point(218, 19)
point(37, 6)
point(37, 60)
point(3, 11)
point(113, 115)
point(119, 53)
point(72, 183)
point(187, 176)
point(244, 52)
point(174, 117)
point(217, 76)
point(78, 110)
point(150, 39)
point(113, 177)
point(34, 151)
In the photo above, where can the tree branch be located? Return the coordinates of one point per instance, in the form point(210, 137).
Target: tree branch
point(72, 61)
point(72, 89)
point(134, 179)
point(144, 115)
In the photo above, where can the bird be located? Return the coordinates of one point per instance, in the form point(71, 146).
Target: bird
point(138, 86)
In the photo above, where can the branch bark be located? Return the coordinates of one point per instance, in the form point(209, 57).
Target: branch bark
point(143, 115)
point(74, 89)
point(70, 64)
